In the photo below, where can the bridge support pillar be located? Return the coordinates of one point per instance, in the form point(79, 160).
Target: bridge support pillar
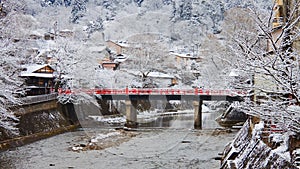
point(131, 115)
point(198, 114)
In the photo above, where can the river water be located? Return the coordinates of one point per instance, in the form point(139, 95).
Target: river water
point(169, 142)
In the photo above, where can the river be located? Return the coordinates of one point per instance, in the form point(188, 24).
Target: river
point(171, 142)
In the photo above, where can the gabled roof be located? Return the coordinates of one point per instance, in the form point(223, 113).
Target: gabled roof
point(184, 55)
point(32, 71)
point(119, 43)
point(160, 75)
point(97, 48)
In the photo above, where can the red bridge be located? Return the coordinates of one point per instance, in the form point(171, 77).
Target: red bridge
point(131, 94)
point(161, 93)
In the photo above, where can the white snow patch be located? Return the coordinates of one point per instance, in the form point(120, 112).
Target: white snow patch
point(282, 150)
point(205, 109)
point(156, 112)
point(77, 148)
point(103, 136)
point(175, 102)
point(109, 120)
point(51, 116)
point(276, 137)
point(258, 129)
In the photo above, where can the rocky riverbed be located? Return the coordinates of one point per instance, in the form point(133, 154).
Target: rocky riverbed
point(143, 148)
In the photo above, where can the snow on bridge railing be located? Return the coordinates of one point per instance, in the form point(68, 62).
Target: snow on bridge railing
point(155, 91)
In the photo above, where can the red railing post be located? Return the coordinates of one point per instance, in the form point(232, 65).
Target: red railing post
point(196, 91)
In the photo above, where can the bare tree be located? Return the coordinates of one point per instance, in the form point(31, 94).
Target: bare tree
point(272, 74)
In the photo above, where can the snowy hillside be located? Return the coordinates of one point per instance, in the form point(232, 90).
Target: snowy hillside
point(192, 27)
point(179, 19)
point(73, 34)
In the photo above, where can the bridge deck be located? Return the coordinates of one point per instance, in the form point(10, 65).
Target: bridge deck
point(162, 94)
point(172, 97)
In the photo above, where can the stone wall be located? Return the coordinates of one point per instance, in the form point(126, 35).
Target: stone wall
point(247, 152)
point(38, 121)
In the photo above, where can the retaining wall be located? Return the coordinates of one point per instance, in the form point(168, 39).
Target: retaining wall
point(38, 121)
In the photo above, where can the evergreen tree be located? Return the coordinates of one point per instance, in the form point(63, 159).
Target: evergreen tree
point(78, 10)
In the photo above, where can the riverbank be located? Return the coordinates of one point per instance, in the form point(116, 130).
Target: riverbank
point(257, 145)
point(23, 140)
point(39, 117)
point(156, 148)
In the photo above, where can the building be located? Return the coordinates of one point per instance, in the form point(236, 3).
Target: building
point(66, 33)
point(39, 79)
point(154, 79)
point(164, 78)
point(185, 57)
point(49, 36)
point(118, 47)
point(282, 12)
point(108, 64)
point(35, 35)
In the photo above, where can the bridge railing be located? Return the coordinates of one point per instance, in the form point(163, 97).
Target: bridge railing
point(155, 91)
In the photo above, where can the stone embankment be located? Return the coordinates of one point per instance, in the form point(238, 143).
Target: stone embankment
point(43, 116)
point(39, 118)
point(253, 148)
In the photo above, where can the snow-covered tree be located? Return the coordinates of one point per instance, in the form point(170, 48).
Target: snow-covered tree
point(185, 9)
point(74, 69)
point(148, 53)
point(272, 75)
point(78, 10)
point(94, 26)
point(139, 2)
point(13, 30)
point(45, 3)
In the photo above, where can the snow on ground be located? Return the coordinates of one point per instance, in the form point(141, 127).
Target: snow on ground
point(109, 120)
point(101, 136)
point(152, 149)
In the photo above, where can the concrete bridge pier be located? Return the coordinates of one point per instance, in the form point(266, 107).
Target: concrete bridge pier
point(198, 114)
point(131, 115)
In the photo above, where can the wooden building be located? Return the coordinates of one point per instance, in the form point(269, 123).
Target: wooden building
point(117, 47)
point(185, 57)
point(39, 79)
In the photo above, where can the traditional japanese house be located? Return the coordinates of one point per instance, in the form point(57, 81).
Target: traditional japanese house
point(39, 79)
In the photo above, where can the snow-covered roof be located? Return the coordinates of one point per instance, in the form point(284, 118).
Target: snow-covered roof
point(43, 52)
point(44, 75)
point(152, 74)
point(233, 73)
point(97, 48)
point(30, 69)
point(120, 43)
point(183, 55)
point(37, 33)
point(120, 58)
point(123, 44)
point(66, 30)
point(160, 75)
